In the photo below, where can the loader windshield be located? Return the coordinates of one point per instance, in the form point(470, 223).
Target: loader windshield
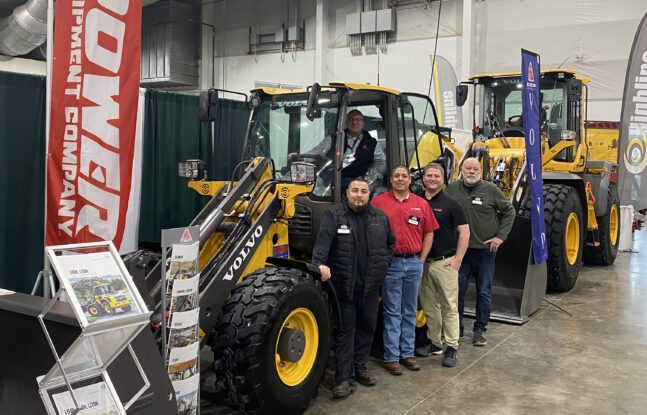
point(282, 132)
point(501, 114)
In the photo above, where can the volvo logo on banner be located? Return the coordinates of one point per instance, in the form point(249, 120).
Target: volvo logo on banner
point(530, 79)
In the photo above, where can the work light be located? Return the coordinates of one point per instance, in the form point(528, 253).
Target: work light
point(301, 172)
point(191, 169)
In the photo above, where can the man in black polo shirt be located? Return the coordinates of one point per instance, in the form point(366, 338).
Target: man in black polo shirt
point(439, 287)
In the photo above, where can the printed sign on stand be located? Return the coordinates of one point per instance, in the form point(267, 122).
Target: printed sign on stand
point(94, 399)
point(180, 299)
point(110, 312)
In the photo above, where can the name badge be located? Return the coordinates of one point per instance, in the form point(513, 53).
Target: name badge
point(350, 158)
point(344, 230)
point(477, 201)
point(414, 220)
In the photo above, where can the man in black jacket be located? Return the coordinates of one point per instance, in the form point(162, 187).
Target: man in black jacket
point(354, 249)
point(361, 151)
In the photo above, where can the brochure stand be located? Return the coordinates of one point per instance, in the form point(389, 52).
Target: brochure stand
point(180, 303)
point(110, 312)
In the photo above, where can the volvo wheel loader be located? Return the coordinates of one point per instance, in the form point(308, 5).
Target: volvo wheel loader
point(581, 204)
point(264, 311)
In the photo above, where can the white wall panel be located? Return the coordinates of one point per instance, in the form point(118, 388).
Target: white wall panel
point(593, 37)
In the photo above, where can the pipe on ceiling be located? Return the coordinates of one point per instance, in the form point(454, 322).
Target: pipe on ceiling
point(25, 29)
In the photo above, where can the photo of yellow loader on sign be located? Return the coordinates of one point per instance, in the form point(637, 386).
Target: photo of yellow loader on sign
point(98, 286)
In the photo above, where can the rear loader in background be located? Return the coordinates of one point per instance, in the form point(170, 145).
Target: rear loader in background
point(264, 311)
point(581, 205)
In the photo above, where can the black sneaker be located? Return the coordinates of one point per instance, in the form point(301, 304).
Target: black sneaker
point(427, 350)
point(343, 390)
point(479, 339)
point(450, 357)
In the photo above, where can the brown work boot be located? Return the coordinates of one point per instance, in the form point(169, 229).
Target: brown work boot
point(364, 378)
point(393, 368)
point(343, 390)
point(410, 363)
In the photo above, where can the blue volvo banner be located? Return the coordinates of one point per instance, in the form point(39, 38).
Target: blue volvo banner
point(530, 79)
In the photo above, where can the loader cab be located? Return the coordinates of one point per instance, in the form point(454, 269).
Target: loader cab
point(499, 112)
point(404, 125)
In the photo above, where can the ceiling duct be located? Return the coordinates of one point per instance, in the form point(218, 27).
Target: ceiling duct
point(170, 49)
point(25, 29)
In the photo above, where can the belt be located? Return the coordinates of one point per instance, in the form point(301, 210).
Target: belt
point(438, 258)
point(406, 255)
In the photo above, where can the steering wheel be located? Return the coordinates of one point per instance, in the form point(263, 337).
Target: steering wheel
point(515, 121)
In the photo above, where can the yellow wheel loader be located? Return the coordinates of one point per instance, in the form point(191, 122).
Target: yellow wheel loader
point(581, 206)
point(105, 300)
point(264, 310)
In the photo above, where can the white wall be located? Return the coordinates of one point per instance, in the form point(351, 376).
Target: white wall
point(406, 65)
point(593, 37)
point(29, 66)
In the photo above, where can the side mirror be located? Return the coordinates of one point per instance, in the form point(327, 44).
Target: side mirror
point(313, 111)
point(574, 89)
point(461, 94)
point(208, 106)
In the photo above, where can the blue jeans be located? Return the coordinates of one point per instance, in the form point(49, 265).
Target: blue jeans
point(480, 264)
point(400, 302)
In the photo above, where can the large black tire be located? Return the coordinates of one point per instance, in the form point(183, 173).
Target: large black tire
point(609, 230)
point(245, 355)
point(565, 239)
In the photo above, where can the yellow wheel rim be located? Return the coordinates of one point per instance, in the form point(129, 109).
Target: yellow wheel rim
point(293, 373)
point(613, 224)
point(572, 244)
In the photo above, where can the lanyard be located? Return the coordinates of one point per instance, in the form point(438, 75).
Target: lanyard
point(352, 148)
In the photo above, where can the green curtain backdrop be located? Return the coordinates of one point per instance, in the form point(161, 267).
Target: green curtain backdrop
point(172, 133)
point(22, 181)
point(229, 137)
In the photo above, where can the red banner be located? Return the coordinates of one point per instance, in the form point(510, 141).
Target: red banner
point(95, 86)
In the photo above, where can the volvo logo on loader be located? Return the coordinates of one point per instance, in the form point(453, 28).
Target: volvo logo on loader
point(251, 242)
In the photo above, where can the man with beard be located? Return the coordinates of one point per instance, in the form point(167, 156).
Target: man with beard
point(490, 216)
point(354, 249)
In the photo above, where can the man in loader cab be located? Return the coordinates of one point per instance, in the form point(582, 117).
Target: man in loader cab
point(353, 250)
point(490, 216)
point(361, 150)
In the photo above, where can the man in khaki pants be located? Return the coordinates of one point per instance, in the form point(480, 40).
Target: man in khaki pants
point(439, 287)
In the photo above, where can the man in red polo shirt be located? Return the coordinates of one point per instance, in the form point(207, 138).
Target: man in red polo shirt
point(413, 224)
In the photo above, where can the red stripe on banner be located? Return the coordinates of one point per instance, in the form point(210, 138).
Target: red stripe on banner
point(95, 86)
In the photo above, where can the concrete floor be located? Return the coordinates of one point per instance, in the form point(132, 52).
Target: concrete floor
point(589, 359)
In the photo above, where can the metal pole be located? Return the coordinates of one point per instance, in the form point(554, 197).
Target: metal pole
point(48, 108)
point(163, 300)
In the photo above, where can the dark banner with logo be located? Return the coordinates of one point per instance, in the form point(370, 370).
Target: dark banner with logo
point(449, 114)
point(633, 126)
point(530, 105)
